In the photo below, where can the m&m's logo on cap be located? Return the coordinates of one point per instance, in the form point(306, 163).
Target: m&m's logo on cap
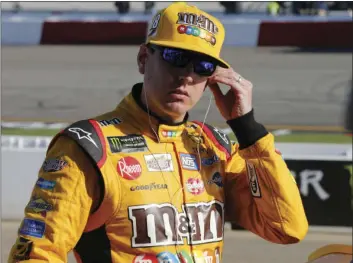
point(197, 26)
point(196, 32)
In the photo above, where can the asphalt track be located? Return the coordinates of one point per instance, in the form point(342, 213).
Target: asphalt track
point(240, 246)
point(292, 88)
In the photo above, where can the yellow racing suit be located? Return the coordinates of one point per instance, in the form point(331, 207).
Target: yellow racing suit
point(126, 187)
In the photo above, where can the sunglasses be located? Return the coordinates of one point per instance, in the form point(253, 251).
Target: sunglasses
point(180, 58)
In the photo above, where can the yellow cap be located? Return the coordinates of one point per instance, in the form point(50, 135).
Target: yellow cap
point(183, 26)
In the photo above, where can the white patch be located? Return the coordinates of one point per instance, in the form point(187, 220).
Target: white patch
point(253, 180)
point(159, 162)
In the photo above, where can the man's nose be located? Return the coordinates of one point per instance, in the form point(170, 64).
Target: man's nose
point(186, 73)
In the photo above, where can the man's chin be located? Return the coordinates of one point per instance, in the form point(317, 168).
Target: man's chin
point(177, 107)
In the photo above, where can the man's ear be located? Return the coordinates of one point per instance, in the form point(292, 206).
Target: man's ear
point(141, 58)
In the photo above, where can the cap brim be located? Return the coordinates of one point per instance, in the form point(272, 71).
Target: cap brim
point(222, 63)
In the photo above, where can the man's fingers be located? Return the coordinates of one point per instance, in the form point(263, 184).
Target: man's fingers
point(216, 90)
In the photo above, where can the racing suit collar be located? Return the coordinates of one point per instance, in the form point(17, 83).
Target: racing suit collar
point(138, 113)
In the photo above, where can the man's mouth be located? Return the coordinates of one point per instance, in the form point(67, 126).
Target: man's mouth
point(179, 92)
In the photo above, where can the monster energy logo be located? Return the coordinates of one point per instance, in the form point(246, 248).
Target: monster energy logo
point(127, 144)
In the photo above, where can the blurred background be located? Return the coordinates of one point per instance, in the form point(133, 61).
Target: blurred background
point(65, 61)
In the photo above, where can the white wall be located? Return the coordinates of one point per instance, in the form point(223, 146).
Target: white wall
point(18, 175)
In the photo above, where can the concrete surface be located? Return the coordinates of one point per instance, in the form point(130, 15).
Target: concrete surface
point(67, 83)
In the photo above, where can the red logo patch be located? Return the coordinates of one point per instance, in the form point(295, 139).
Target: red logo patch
point(195, 186)
point(129, 168)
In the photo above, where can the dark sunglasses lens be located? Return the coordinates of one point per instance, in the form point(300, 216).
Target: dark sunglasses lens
point(177, 58)
point(204, 68)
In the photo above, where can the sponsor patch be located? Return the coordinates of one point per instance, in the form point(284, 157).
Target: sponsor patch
point(192, 224)
point(210, 161)
point(82, 134)
point(159, 162)
point(167, 257)
point(150, 187)
point(253, 180)
point(45, 184)
point(145, 258)
point(127, 144)
point(216, 179)
point(188, 161)
point(129, 168)
point(195, 186)
point(38, 205)
point(53, 165)
point(32, 227)
point(170, 134)
point(114, 121)
point(23, 249)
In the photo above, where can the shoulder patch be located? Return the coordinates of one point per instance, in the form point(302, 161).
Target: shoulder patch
point(88, 135)
point(219, 138)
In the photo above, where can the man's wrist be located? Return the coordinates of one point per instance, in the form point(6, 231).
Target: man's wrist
point(247, 130)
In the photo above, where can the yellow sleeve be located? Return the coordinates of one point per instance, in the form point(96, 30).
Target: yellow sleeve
point(59, 206)
point(262, 195)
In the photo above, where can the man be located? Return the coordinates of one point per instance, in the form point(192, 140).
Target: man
point(142, 183)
